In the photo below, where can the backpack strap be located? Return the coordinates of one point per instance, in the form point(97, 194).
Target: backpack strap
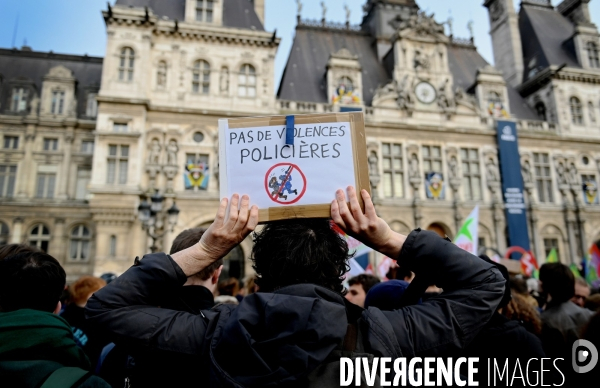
point(350, 338)
point(65, 377)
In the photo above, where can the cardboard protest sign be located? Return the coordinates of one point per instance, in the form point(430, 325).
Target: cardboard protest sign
point(293, 181)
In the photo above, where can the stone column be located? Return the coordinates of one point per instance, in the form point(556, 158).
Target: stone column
point(16, 236)
point(26, 171)
point(499, 231)
point(58, 241)
point(570, 223)
point(63, 183)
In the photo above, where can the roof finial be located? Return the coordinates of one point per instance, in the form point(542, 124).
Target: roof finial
point(470, 26)
point(347, 9)
point(299, 3)
point(449, 23)
point(324, 7)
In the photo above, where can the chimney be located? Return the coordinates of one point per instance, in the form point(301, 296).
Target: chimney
point(576, 11)
point(259, 7)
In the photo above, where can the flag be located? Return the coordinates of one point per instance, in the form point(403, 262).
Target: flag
point(552, 256)
point(575, 270)
point(384, 267)
point(359, 264)
point(467, 236)
point(529, 264)
point(594, 259)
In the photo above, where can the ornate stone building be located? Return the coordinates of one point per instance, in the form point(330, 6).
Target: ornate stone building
point(84, 139)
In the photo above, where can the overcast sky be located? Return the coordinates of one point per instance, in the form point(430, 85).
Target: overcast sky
point(77, 27)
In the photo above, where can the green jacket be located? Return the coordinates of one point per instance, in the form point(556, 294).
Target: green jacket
point(34, 344)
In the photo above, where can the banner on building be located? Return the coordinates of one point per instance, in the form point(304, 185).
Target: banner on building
point(512, 184)
point(434, 185)
point(467, 237)
point(590, 191)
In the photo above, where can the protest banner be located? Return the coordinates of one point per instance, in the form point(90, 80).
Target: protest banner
point(291, 166)
point(468, 235)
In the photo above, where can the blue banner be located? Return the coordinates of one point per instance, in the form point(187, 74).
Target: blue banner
point(512, 184)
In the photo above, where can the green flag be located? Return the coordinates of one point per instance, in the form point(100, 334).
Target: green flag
point(552, 256)
point(575, 270)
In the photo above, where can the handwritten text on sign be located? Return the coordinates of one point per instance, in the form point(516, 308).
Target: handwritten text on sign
point(260, 164)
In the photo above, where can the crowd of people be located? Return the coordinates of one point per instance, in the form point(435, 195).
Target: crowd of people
point(169, 321)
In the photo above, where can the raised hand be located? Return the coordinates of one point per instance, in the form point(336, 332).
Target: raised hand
point(366, 227)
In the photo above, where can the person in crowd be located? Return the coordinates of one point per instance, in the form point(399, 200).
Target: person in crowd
point(146, 367)
point(582, 291)
point(562, 321)
point(518, 286)
point(36, 345)
point(520, 309)
point(13, 249)
point(592, 302)
point(79, 293)
point(386, 296)
point(229, 287)
point(285, 333)
point(359, 286)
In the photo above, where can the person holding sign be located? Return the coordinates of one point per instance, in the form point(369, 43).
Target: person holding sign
point(292, 330)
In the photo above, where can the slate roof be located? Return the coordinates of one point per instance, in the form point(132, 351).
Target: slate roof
point(34, 65)
point(236, 13)
point(304, 77)
point(546, 37)
point(464, 61)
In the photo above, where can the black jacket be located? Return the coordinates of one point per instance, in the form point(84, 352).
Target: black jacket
point(280, 337)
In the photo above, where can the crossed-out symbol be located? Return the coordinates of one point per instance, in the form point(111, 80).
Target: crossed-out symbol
point(276, 189)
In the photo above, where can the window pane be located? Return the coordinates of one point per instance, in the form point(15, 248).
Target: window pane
point(84, 231)
point(1, 185)
point(241, 91)
point(387, 185)
point(386, 149)
point(73, 249)
point(251, 80)
point(465, 168)
point(397, 164)
point(251, 92)
point(426, 166)
point(43, 245)
point(112, 150)
point(397, 150)
point(437, 166)
point(473, 154)
point(475, 168)
point(242, 79)
point(113, 246)
point(110, 171)
point(51, 182)
point(124, 151)
point(398, 186)
point(463, 153)
point(209, 16)
point(387, 163)
point(40, 186)
point(85, 250)
point(123, 172)
point(436, 152)
point(425, 151)
point(476, 186)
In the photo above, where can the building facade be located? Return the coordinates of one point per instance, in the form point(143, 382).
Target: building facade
point(86, 139)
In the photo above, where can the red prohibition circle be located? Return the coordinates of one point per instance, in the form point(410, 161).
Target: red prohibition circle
point(294, 167)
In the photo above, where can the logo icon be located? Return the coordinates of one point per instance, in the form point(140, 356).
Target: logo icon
point(506, 130)
point(584, 351)
point(285, 183)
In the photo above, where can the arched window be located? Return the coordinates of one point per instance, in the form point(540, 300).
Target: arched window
point(592, 112)
point(576, 111)
point(4, 231)
point(540, 108)
point(593, 56)
point(201, 77)
point(346, 83)
point(247, 81)
point(127, 60)
point(40, 237)
point(80, 243)
point(161, 75)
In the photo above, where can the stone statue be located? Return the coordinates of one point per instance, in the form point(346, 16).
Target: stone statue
point(491, 171)
point(373, 164)
point(224, 80)
point(347, 9)
point(526, 172)
point(413, 166)
point(572, 177)
point(35, 104)
point(172, 152)
point(404, 99)
point(449, 22)
point(421, 62)
point(154, 155)
point(299, 3)
point(444, 101)
point(453, 167)
point(470, 26)
point(324, 7)
point(562, 174)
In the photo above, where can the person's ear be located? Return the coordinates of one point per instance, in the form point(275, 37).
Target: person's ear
point(216, 274)
point(57, 309)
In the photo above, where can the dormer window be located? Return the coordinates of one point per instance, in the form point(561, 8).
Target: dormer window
point(593, 56)
point(247, 81)
point(201, 77)
point(58, 102)
point(576, 111)
point(19, 100)
point(204, 11)
point(540, 109)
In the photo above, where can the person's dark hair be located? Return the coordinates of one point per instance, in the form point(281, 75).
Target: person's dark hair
point(365, 280)
point(558, 281)
point(518, 285)
point(188, 238)
point(31, 280)
point(229, 287)
point(300, 251)
point(13, 249)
